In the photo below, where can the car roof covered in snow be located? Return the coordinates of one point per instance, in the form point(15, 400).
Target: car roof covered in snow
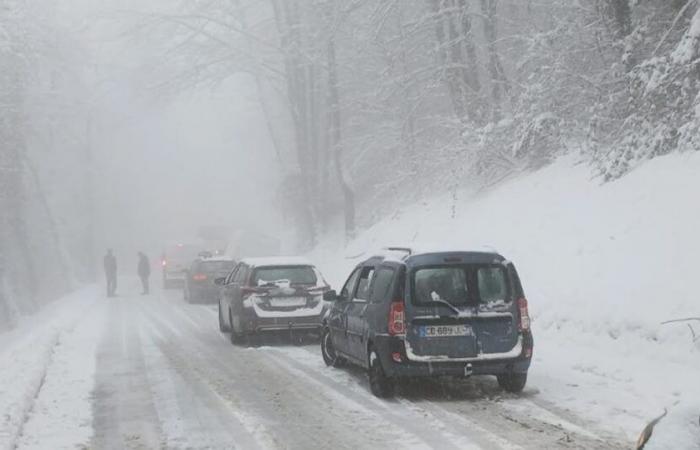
point(277, 261)
point(216, 258)
point(452, 257)
point(408, 256)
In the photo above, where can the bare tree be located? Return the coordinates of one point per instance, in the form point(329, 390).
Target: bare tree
point(336, 144)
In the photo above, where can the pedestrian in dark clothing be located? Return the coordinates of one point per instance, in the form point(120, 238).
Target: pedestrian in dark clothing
point(110, 263)
point(144, 271)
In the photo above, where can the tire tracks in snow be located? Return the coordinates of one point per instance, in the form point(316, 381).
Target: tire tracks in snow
point(239, 428)
point(436, 433)
point(28, 410)
point(13, 425)
point(124, 416)
point(508, 422)
point(278, 386)
point(296, 412)
point(523, 420)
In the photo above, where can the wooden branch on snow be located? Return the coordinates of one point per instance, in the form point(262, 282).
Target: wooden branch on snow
point(695, 336)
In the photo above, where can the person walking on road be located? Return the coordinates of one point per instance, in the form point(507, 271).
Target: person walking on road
point(144, 271)
point(110, 264)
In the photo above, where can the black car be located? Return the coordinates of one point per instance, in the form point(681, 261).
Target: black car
point(431, 314)
point(199, 278)
point(275, 294)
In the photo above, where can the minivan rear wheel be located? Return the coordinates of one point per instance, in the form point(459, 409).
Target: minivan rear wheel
point(236, 339)
point(380, 385)
point(222, 326)
point(512, 382)
point(330, 357)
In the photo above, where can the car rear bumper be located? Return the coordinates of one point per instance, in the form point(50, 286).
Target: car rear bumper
point(255, 324)
point(388, 346)
point(174, 278)
point(174, 274)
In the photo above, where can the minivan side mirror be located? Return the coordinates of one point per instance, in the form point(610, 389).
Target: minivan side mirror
point(330, 296)
point(219, 281)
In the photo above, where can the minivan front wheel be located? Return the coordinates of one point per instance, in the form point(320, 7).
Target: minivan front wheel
point(381, 385)
point(330, 357)
point(512, 382)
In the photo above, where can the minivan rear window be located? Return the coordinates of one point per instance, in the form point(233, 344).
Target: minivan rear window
point(294, 274)
point(493, 284)
point(460, 284)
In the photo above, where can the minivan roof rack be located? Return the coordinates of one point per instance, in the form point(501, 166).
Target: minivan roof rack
point(400, 249)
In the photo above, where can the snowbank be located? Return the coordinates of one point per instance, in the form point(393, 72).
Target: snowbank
point(602, 266)
point(43, 354)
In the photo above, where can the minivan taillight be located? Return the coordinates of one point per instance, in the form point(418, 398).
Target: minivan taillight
point(524, 314)
point(397, 318)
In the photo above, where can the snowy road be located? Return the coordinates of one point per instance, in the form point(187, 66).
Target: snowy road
point(164, 377)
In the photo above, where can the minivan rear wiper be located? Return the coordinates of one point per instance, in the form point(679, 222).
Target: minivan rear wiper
point(448, 304)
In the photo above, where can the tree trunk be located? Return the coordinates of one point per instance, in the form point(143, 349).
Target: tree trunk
point(496, 72)
point(287, 16)
point(623, 17)
point(450, 74)
point(453, 31)
point(336, 141)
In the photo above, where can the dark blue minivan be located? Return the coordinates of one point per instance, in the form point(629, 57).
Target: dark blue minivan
point(431, 314)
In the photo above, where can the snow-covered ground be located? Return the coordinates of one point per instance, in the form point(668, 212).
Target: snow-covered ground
point(147, 372)
point(603, 267)
point(46, 372)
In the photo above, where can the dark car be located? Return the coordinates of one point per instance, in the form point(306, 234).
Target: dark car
point(428, 315)
point(199, 278)
point(271, 294)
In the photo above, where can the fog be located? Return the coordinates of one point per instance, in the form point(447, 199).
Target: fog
point(128, 124)
point(168, 162)
point(203, 158)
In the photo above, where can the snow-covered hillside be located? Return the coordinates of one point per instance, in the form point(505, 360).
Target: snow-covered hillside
point(603, 266)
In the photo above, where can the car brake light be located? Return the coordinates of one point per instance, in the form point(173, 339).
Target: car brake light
point(524, 314)
point(199, 277)
point(397, 318)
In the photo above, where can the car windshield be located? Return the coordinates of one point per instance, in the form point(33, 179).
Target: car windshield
point(293, 274)
point(460, 285)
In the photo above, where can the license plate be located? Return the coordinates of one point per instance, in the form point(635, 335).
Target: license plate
point(444, 330)
point(287, 302)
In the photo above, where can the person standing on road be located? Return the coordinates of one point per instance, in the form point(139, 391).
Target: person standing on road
point(144, 271)
point(110, 264)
